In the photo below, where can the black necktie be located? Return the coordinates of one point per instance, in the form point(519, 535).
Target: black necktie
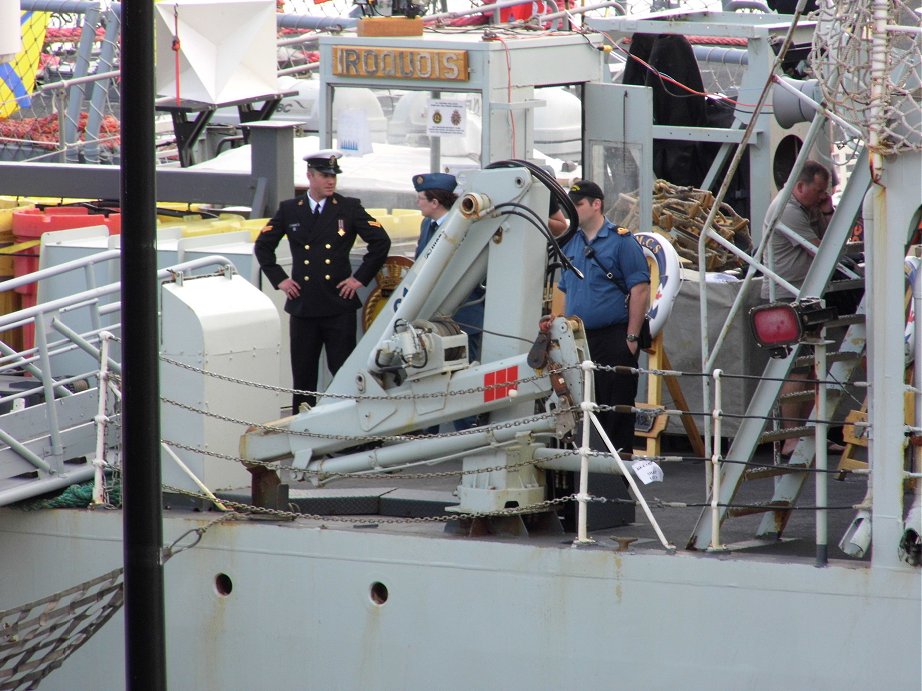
point(316, 212)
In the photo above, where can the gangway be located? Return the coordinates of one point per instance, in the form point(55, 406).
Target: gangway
point(48, 419)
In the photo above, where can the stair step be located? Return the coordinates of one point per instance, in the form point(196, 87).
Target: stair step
point(758, 508)
point(845, 320)
point(798, 396)
point(845, 284)
point(786, 433)
point(808, 396)
point(805, 361)
point(774, 471)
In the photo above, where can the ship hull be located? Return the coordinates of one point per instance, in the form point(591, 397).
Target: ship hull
point(304, 610)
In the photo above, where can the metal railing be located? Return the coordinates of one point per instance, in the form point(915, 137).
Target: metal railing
point(48, 431)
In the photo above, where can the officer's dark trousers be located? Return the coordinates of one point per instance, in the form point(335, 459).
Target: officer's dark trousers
point(309, 335)
point(608, 346)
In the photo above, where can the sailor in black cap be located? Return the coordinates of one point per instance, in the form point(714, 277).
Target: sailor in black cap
point(611, 300)
point(321, 228)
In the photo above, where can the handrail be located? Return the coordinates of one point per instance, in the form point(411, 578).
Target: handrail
point(707, 231)
point(770, 222)
point(36, 276)
point(94, 293)
point(38, 360)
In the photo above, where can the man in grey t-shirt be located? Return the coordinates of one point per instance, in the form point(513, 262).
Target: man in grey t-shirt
point(807, 213)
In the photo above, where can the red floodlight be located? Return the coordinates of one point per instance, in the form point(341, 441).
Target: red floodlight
point(779, 325)
point(776, 326)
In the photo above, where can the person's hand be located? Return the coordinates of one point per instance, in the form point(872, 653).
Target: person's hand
point(633, 346)
point(348, 287)
point(290, 287)
point(544, 324)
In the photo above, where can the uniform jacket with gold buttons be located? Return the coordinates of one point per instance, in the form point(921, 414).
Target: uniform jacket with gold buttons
point(320, 252)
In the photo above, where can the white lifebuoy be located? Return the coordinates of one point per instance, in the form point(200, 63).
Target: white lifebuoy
point(665, 277)
point(911, 266)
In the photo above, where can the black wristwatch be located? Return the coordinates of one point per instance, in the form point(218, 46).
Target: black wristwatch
point(632, 338)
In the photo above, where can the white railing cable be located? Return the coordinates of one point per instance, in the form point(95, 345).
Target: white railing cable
point(630, 480)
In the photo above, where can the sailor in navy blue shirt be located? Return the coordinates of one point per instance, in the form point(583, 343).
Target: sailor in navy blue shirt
point(612, 301)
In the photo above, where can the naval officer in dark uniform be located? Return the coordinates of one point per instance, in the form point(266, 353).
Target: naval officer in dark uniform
point(321, 228)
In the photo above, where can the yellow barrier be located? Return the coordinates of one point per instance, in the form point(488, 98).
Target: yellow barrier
point(7, 206)
point(406, 226)
point(10, 301)
point(388, 222)
point(194, 225)
point(225, 223)
point(54, 201)
point(7, 250)
point(255, 226)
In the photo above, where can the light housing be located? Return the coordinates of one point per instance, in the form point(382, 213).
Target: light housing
point(779, 325)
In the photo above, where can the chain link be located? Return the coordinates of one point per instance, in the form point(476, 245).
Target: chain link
point(360, 397)
point(294, 515)
point(518, 422)
point(171, 550)
point(323, 475)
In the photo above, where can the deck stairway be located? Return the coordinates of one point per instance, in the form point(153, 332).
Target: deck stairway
point(40, 455)
point(45, 447)
point(48, 431)
point(790, 477)
point(793, 473)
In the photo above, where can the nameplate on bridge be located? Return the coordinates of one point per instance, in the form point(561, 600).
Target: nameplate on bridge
point(400, 63)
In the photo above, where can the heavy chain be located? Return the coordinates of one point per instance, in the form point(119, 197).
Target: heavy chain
point(378, 520)
point(323, 475)
point(172, 550)
point(357, 397)
point(364, 438)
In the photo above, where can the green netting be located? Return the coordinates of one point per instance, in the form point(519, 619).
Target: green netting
point(73, 497)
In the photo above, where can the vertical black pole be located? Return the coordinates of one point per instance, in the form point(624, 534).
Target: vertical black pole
point(145, 650)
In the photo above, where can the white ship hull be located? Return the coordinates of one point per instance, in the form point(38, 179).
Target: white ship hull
point(477, 613)
point(330, 604)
